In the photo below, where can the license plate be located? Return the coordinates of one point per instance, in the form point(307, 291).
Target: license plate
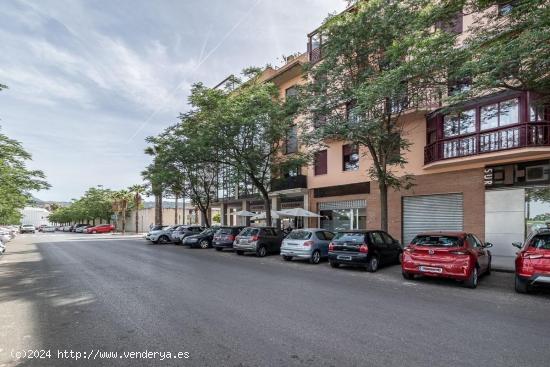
point(430, 269)
point(343, 257)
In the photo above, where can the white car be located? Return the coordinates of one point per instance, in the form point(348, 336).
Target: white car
point(48, 229)
point(28, 228)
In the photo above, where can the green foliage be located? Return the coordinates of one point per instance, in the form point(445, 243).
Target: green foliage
point(508, 51)
point(382, 59)
point(96, 203)
point(16, 180)
point(216, 218)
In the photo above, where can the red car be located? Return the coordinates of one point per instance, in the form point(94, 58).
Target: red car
point(102, 228)
point(456, 255)
point(533, 261)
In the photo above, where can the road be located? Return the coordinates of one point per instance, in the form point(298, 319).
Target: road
point(85, 293)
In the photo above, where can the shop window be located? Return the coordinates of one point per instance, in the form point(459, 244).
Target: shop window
point(459, 123)
point(350, 153)
point(500, 114)
point(344, 219)
point(320, 166)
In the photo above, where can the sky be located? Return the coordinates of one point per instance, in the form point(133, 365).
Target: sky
point(90, 80)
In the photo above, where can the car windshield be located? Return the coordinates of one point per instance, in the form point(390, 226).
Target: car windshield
point(430, 240)
point(343, 236)
point(249, 232)
point(299, 235)
point(541, 242)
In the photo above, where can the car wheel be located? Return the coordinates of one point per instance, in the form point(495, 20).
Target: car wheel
point(372, 265)
point(219, 248)
point(239, 252)
point(334, 265)
point(399, 257)
point(472, 280)
point(407, 276)
point(287, 258)
point(521, 285)
point(163, 240)
point(204, 244)
point(315, 257)
point(261, 252)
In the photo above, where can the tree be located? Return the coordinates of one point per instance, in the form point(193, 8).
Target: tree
point(16, 180)
point(508, 49)
point(249, 126)
point(137, 191)
point(121, 199)
point(382, 59)
point(154, 176)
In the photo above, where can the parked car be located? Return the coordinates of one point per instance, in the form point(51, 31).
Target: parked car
point(225, 236)
point(308, 243)
point(67, 228)
point(40, 227)
point(102, 228)
point(48, 229)
point(260, 240)
point(28, 228)
point(182, 232)
point(162, 235)
point(202, 240)
point(362, 248)
point(533, 261)
point(82, 229)
point(2, 248)
point(456, 255)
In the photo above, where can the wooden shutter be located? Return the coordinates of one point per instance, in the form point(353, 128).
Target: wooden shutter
point(321, 162)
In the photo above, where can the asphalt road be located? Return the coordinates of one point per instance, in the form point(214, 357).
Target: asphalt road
point(85, 293)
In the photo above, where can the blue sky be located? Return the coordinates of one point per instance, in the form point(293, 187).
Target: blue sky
point(89, 80)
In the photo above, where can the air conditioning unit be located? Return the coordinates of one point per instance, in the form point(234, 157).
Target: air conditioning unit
point(539, 173)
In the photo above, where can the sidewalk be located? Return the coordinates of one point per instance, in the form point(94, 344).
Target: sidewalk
point(503, 263)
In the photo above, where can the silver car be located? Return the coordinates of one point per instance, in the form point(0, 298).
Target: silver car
point(307, 244)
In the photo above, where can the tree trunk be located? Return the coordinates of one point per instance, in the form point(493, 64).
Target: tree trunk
point(267, 206)
point(137, 215)
point(383, 205)
point(123, 221)
point(183, 209)
point(205, 216)
point(176, 211)
point(160, 209)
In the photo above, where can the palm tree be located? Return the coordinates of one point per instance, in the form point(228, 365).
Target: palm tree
point(137, 191)
point(121, 199)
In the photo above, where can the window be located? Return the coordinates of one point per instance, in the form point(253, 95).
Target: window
point(352, 113)
point(506, 8)
point(319, 120)
point(320, 167)
point(541, 242)
point(350, 153)
point(452, 25)
point(329, 235)
point(315, 41)
point(387, 239)
point(376, 238)
point(291, 92)
point(459, 124)
point(536, 112)
point(500, 114)
point(291, 143)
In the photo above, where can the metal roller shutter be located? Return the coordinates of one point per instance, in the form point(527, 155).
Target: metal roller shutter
point(432, 213)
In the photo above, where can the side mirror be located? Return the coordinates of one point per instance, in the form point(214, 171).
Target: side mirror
point(488, 245)
point(517, 244)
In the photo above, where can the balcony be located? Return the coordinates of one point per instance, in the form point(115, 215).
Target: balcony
point(288, 183)
point(523, 135)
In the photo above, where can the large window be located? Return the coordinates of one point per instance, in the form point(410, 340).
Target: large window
point(499, 114)
point(291, 142)
point(344, 219)
point(459, 123)
point(320, 166)
point(350, 157)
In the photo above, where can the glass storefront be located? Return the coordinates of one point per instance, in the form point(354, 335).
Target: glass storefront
point(343, 215)
point(537, 209)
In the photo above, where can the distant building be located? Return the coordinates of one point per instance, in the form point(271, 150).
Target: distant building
point(35, 216)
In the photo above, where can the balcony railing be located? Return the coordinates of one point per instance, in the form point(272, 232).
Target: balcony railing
point(287, 183)
point(488, 141)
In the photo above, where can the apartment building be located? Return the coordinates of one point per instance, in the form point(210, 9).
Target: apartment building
point(483, 170)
